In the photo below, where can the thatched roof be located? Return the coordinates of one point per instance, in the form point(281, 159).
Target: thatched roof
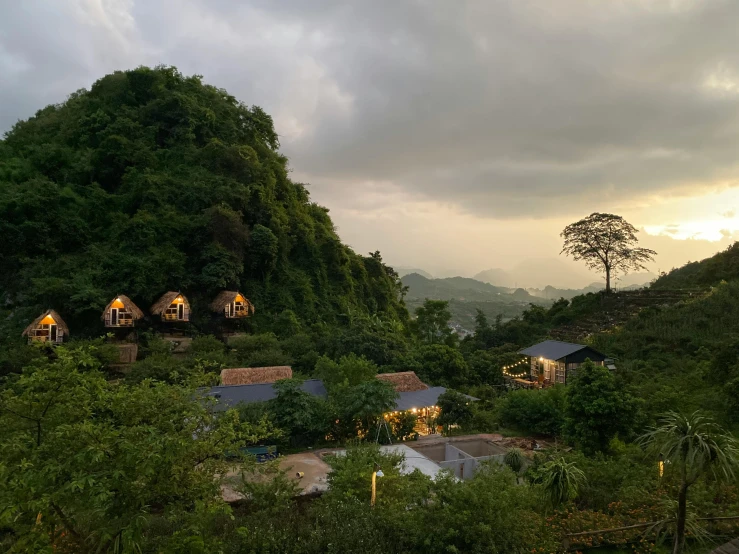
point(128, 304)
point(226, 297)
point(165, 302)
point(55, 316)
point(253, 375)
point(404, 381)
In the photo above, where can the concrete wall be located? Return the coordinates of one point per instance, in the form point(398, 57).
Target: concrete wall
point(464, 466)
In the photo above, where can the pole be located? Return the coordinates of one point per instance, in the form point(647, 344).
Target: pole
point(374, 485)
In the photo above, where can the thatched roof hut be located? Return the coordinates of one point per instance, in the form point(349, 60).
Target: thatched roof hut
point(232, 304)
point(172, 306)
point(404, 381)
point(48, 327)
point(254, 375)
point(121, 312)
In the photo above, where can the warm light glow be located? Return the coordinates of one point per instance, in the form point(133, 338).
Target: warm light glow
point(117, 303)
point(48, 320)
point(239, 298)
point(541, 359)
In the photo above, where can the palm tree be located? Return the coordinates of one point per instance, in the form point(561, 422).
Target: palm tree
point(515, 460)
point(561, 481)
point(691, 446)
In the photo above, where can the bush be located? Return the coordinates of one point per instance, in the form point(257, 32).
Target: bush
point(534, 411)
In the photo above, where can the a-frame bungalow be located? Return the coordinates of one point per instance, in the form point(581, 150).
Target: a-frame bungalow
point(121, 312)
point(48, 327)
point(232, 304)
point(172, 307)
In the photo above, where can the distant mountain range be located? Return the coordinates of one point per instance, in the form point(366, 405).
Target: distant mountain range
point(539, 274)
point(403, 271)
point(466, 295)
point(552, 272)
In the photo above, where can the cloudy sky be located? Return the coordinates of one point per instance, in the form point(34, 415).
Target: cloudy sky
point(451, 135)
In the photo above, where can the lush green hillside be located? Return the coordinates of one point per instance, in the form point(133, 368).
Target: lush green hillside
point(152, 181)
point(676, 343)
point(723, 266)
point(684, 356)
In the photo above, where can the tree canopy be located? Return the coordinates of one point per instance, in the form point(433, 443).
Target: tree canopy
point(607, 243)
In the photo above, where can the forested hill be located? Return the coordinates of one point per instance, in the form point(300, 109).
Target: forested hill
point(153, 181)
point(723, 266)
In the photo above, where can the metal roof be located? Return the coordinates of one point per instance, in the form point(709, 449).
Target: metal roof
point(229, 396)
point(421, 398)
point(553, 349)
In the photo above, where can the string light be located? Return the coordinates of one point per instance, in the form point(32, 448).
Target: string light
point(506, 369)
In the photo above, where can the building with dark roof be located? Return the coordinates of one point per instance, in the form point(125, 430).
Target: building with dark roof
point(554, 361)
point(421, 401)
point(229, 396)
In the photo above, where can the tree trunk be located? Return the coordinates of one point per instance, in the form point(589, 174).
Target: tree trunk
point(608, 279)
point(682, 505)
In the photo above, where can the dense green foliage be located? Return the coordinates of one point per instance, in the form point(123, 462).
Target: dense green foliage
point(85, 461)
point(598, 409)
point(152, 181)
point(723, 266)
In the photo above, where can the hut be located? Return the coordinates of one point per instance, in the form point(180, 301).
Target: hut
point(554, 361)
point(416, 397)
point(48, 327)
point(254, 375)
point(172, 306)
point(232, 304)
point(121, 312)
point(404, 381)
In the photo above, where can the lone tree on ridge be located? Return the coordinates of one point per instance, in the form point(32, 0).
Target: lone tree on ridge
point(606, 243)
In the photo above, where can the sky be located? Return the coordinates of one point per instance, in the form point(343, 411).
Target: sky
point(453, 136)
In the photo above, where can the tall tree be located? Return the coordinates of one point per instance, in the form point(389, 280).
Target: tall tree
point(691, 446)
point(606, 243)
point(432, 320)
point(598, 408)
point(455, 409)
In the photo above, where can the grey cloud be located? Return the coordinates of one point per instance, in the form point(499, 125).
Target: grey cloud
point(504, 108)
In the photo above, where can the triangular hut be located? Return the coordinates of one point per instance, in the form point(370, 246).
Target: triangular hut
point(121, 312)
point(48, 327)
point(232, 304)
point(172, 306)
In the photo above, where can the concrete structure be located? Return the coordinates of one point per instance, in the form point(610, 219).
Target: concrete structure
point(414, 460)
point(461, 455)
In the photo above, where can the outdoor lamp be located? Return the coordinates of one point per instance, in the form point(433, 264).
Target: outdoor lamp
point(376, 472)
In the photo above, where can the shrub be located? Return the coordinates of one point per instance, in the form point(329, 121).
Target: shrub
point(534, 411)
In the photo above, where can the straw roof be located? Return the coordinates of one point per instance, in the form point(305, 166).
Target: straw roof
point(404, 381)
point(253, 375)
point(128, 304)
point(165, 302)
point(55, 316)
point(226, 297)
